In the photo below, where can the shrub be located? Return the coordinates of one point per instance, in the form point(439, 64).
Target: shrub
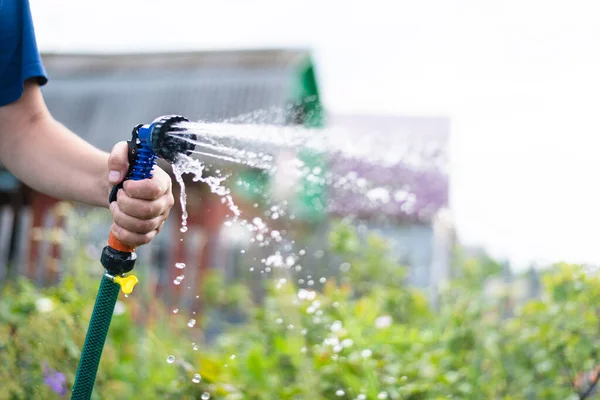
point(363, 335)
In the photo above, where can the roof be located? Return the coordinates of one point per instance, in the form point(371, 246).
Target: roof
point(102, 97)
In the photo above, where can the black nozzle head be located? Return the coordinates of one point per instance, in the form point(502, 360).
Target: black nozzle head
point(169, 147)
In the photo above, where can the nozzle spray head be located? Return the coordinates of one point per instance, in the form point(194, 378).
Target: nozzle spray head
point(151, 141)
point(165, 145)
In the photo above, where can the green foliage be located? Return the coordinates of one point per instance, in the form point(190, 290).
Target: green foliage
point(365, 333)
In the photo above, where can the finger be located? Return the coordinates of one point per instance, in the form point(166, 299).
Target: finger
point(149, 189)
point(118, 163)
point(132, 238)
point(144, 209)
point(164, 219)
point(133, 224)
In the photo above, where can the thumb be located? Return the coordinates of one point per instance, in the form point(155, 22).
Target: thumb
point(118, 163)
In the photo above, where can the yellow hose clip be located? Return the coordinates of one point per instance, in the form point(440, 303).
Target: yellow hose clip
point(127, 282)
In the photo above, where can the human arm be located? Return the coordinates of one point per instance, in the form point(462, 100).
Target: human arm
point(50, 158)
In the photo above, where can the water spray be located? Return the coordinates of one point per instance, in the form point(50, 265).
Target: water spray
point(148, 143)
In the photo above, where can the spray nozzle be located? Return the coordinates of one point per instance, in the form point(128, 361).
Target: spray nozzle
point(164, 145)
point(151, 141)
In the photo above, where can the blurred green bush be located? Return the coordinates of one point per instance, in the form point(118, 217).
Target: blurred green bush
point(363, 335)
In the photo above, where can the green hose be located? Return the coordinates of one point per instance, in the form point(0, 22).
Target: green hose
point(95, 338)
point(148, 142)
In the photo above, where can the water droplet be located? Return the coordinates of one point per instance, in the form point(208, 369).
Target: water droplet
point(303, 331)
point(171, 359)
point(290, 261)
point(361, 397)
point(205, 396)
point(340, 393)
point(183, 229)
point(323, 280)
point(232, 357)
point(279, 321)
point(366, 353)
point(310, 283)
point(242, 251)
point(382, 395)
point(175, 311)
point(303, 349)
point(259, 223)
point(345, 267)
point(319, 253)
point(196, 347)
point(178, 280)
point(275, 215)
point(304, 294)
point(275, 260)
point(302, 252)
point(191, 323)
point(196, 378)
point(180, 265)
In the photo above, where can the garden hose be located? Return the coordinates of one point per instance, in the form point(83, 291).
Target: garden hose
point(148, 143)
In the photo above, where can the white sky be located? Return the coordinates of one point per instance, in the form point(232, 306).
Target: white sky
point(520, 80)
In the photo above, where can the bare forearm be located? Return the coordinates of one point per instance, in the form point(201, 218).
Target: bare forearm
point(53, 160)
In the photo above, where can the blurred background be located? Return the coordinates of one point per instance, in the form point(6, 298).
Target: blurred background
point(518, 82)
point(507, 91)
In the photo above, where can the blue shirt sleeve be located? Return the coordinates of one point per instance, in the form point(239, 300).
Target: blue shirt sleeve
point(20, 59)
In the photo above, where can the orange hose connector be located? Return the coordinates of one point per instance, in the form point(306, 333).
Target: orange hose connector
point(118, 245)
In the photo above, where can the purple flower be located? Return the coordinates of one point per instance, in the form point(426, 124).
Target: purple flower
point(400, 191)
point(56, 380)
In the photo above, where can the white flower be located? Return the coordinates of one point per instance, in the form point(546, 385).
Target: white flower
point(336, 326)
point(383, 322)
point(44, 304)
